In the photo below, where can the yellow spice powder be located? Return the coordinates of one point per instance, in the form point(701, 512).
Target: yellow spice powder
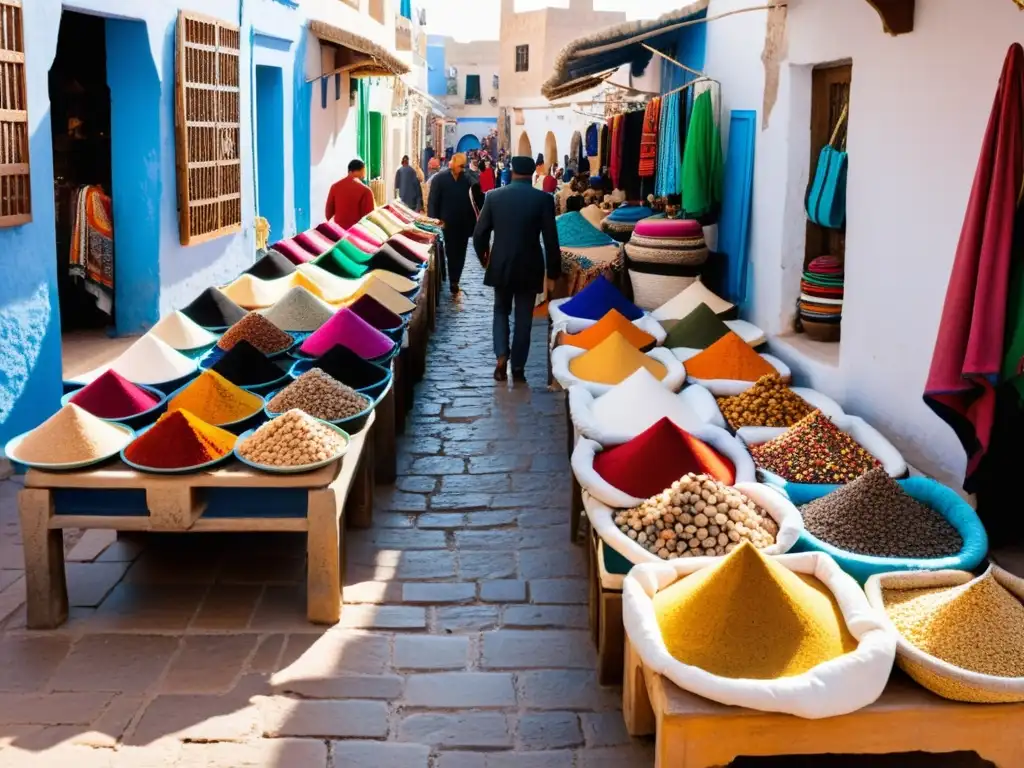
point(749, 617)
point(216, 400)
point(613, 361)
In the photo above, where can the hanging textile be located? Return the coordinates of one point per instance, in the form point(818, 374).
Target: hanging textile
point(575, 151)
point(702, 162)
point(666, 180)
point(629, 174)
point(605, 148)
point(649, 139)
point(92, 245)
point(591, 148)
point(363, 120)
point(615, 162)
point(405, 9)
point(376, 163)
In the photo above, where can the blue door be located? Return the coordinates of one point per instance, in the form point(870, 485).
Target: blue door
point(467, 143)
point(270, 147)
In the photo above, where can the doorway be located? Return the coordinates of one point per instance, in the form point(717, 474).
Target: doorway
point(524, 148)
point(82, 174)
point(468, 143)
point(270, 147)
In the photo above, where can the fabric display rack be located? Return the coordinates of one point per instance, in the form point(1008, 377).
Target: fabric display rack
point(711, 491)
point(367, 334)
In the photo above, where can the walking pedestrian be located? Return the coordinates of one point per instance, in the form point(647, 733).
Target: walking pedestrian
point(450, 203)
point(350, 199)
point(487, 179)
point(407, 186)
point(519, 217)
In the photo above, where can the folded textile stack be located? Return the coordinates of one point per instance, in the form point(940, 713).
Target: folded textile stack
point(621, 222)
point(664, 257)
point(821, 298)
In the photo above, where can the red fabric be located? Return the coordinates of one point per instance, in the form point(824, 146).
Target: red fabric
point(649, 139)
point(969, 348)
point(348, 201)
point(656, 458)
point(486, 180)
point(550, 184)
point(615, 163)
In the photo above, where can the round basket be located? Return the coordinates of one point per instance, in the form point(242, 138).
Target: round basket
point(652, 290)
point(661, 227)
point(938, 676)
point(817, 331)
point(679, 252)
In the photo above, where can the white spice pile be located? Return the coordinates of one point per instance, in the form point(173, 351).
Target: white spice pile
point(180, 332)
point(293, 439)
point(319, 395)
point(299, 310)
point(69, 436)
point(149, 361)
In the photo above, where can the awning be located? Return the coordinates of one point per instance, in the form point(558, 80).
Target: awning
point(586, 62)
point(356, 55)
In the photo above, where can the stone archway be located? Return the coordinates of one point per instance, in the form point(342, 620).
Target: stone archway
point(524, 149)
point(550, 149)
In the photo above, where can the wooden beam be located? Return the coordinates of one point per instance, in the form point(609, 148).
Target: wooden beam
point(897, 15)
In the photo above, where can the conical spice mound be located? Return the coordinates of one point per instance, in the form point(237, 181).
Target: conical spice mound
point(71, 435)
point(612, 322)
point(613, 361)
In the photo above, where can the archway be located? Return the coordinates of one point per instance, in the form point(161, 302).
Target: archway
point(468, 143)
point(525, 149)
point(551, 149)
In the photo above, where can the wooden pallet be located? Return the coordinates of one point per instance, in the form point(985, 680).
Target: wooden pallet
point(692, 732)
point(232, 498)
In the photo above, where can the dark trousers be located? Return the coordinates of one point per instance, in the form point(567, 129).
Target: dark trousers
point(455, 254)
point(504, 298)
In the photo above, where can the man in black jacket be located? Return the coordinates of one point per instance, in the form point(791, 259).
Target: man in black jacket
point(450, 202)
point(519, 216)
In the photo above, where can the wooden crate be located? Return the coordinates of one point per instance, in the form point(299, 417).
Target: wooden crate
point(605, 599)
point(385, 432)
point(230, 498)
point(692, 732)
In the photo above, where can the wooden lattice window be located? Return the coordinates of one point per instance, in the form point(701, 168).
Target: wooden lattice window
point(207, 127)
point(15, 193)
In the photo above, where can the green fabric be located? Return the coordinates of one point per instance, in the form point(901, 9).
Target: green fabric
point(376, 145)
point(363, 121)
point(1014, 333)
point(702, 161)
point(337, 263)
point(354, 252)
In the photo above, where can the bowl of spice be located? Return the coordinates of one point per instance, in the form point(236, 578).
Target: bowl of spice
point(770, 407)
point(729, 366)
point(180, 332)
point(299, 312)
point(341, 363)
point(324, 398)
point(611, 362)
point(112, 397)
point(219, 402)
point(70, 439)
point(178, 443)
point(259, 332)
point(959, 636)
point(291, 443)
point(249, 368)
point(214, 311)
point(348, 329)
point(790, 634)
point(875, 524)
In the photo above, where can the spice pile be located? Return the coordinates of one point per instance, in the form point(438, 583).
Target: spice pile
point(319, 395)
point(293, 439)
point(375, 313)
point(271, 266)
point(612, 322)
point(350, 330)
point(638, 403)
point(151, 361)
point(698, 330)
point(216, 400)
point(657, 457)
point(258, 331)
point(112, 396)
point(213, 309)
point(769, 403)
point(299, 310)
point(344, 365)
point(179, 331)
point(246, 366)
point(597, 299)
point(684, 302)
point(977, 626)
point(874, 516)
point(729, 358)
point(385, 294)
point(697, 516)
point(252, 293)
point(179, 440)
point(613, 361)
point(814, 451)
point(749, 617)
point(69, 436)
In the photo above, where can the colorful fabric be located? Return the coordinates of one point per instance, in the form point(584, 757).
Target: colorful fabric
point(92, 245)
point(702, 162)
point(615, 163)
point(649, 139)
point(591, 140)
point(666, 179)
point(576, 231)
point(604, 146)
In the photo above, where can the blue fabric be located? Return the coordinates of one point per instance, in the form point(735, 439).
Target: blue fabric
point(826, 199)
point(670, 159)
point(930, 493)
point(737, 192)
point(597, 299)
point(405, 9)
point(630, 213)
point(591, 140)
point(575, 231)
point(524, 302)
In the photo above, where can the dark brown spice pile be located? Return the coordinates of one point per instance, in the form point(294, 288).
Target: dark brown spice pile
point(258, 331)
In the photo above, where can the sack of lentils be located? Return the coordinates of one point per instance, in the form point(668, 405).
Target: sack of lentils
point(958, 636)
point(791, 634)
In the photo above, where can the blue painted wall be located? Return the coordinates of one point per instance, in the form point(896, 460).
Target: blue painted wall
point(270, 145)
point(437, 82)
point(302, 148)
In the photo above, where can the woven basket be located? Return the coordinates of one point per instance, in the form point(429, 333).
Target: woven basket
point(650, 291)
point(938, 676)
point(686, 252)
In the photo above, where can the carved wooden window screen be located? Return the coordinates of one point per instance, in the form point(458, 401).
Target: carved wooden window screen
point(15, 192)
point(208, 129)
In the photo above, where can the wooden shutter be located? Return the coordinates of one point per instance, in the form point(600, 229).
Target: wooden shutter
point(207, 128)
point(15, 193)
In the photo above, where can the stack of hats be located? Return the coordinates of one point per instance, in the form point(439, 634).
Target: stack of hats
point(621, 222)
point(664, 257)
point(820, 308)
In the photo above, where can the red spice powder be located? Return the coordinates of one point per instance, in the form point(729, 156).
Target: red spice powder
point(112, 396)
point(656, 458)
point(171, 443)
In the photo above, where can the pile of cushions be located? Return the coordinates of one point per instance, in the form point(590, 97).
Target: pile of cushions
point(621, 222)
point(821, 298)
point(664, 257)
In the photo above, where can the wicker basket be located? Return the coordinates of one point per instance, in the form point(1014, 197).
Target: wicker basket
point(650, 291)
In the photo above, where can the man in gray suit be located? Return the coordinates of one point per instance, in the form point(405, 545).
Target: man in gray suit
point(519, 217)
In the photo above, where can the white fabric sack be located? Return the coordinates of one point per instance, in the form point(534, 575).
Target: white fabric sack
point(687, 300)
point(586, 451)
point(833, 688)
point(791, 524)
point(562, 356)
point(817, 400)
point(727, 387)
point(869, 438)
point(571, 324)
point(749, 332)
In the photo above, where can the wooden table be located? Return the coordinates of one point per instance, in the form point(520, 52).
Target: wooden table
point(231, 498)
point(692, 732)
point(605, 602)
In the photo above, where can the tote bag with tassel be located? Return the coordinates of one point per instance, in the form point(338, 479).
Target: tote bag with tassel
point(826, 197)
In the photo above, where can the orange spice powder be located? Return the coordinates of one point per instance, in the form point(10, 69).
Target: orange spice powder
point(729, 358)
point(612, 322)
point(613, 361)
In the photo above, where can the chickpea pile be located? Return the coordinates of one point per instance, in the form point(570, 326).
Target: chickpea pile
point(769, 403)
point(319, 395)
point(293, 439)
point(698, 516)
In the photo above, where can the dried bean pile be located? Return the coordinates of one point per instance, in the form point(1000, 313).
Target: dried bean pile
point(977, 626)
point(259, 332)
point(769, 403)
point(816, 451)
point(320, 396)
point(697, 516)
point(293, 439)
point(874, 516)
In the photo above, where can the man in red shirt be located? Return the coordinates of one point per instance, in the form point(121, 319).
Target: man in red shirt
point(350, 199)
